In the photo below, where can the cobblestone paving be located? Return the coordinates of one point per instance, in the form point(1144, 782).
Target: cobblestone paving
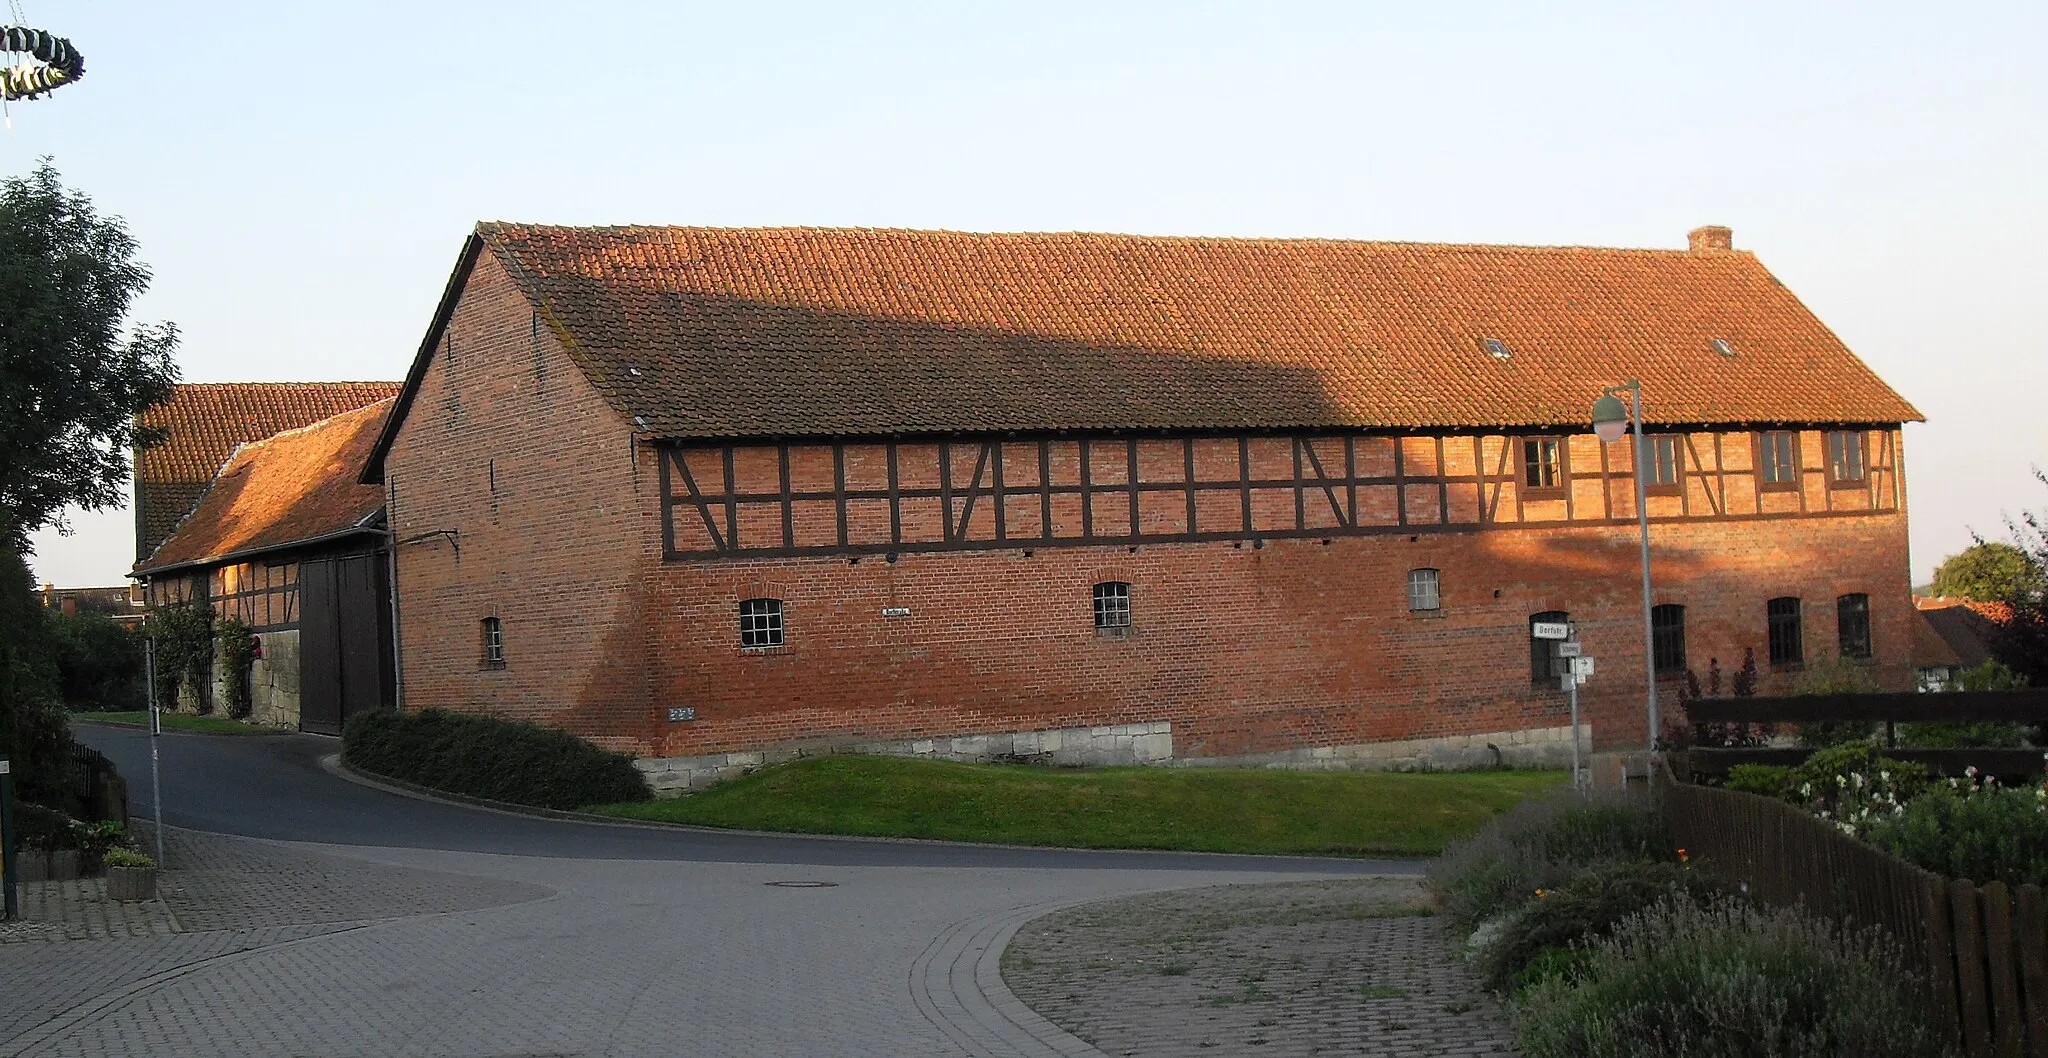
point(80, 910)
point(1298, 968)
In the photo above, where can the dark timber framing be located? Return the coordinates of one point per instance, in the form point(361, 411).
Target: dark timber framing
point(1312, 483)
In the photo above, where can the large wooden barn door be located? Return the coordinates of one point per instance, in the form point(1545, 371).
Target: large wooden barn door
point(319, 662)
point(344, 640)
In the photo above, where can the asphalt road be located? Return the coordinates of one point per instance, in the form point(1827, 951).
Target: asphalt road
point(272, 786)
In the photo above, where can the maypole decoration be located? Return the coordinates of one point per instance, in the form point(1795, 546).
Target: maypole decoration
point(53, 63)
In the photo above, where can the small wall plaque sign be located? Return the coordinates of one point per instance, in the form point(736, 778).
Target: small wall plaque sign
point(682, 713)
point(895, 611)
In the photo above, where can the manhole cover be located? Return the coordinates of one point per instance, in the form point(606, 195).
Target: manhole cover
point(804, 885)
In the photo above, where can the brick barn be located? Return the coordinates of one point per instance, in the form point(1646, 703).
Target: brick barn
point(716, 496)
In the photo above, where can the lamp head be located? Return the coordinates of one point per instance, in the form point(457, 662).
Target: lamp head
point(1610, 418)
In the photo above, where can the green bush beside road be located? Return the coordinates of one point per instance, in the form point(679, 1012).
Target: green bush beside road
point(483, 756)
point(1197, 809)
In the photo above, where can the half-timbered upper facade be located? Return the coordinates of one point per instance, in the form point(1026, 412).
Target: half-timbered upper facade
point(697, 491)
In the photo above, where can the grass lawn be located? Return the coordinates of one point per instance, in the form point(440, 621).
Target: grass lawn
point(1202, 809)
point(211, 725)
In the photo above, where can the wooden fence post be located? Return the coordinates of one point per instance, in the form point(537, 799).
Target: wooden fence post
point(2007, 1022)
point(1973, 993)
point(2032, 942)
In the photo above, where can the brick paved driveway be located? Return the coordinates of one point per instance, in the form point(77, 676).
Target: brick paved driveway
point(575, 940)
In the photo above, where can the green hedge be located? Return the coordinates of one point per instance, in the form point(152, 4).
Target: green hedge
point(484, 756)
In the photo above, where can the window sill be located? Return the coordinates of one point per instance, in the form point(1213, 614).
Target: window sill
point(781, 648)
point(1778, 486)
point(1552, 492)
point(1788, 666)
point(491, 666)
point(1848, 483)
point(1123, 632)
point(1428, 615)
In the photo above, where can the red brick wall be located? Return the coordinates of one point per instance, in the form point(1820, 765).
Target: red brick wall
point(552, 550)
point(1246, 649)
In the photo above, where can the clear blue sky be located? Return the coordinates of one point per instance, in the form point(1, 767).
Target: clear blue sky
point(301, 176)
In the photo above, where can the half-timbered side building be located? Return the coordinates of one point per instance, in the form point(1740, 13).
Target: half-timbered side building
point(287, 542)
point(705, 494)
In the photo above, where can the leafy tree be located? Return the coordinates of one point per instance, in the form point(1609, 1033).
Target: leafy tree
point(1987, 572)
point(2022, 641)
point(73, 376)
point(99, 662)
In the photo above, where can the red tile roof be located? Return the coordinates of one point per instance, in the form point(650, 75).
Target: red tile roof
point(205, 421)
point(289, 489)
point(705, 332)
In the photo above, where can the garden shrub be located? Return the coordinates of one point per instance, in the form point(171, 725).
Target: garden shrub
point(1685, 981)
point(1585, 908)
point(1835, 676)
point(1853, 785)
point(44, 829)
point(484, 756)
point(1769, 780)
point(122, 856)
point(99, 662)
point(1540, 844)
point(1989, 835)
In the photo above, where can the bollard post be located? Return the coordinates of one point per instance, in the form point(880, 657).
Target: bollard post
point(10, 904)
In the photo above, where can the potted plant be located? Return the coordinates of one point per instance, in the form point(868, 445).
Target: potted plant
point(93, 840)
point(131, 875)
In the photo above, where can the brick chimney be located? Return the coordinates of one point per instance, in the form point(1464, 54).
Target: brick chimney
point(1711, 238)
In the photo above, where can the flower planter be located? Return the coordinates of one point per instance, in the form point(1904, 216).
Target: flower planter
point(131, 883)
point(63, 865)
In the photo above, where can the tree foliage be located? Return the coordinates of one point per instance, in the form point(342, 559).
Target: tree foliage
point(73, 374)
point(2022, 641)
point(1987, 572)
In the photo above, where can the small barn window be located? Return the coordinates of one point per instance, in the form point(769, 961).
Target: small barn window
point(1788, 638)
point(1667, 637)
point(1845, 457)
point(1663, 461)
point(494, 643)
point(1542, 463)
point(1544, 664)
point(1852, 625)
point(761, 623)
point(1112, 606)
point(1777, 457)
point(1424, 594)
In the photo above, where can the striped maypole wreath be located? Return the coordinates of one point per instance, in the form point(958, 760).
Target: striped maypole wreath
point(57, 63)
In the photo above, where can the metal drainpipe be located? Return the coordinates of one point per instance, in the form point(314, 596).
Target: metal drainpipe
point(391, 565)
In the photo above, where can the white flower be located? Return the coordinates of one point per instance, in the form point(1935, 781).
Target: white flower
point(1971, 771)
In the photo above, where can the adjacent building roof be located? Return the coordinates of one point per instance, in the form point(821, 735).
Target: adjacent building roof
point(295, 488)
point(1966, 628)
point(712, 332)
point(205, 421)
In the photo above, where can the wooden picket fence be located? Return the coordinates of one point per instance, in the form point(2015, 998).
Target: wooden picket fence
point(1983, 950)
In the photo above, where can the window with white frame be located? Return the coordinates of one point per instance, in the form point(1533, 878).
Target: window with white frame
point(1112, 606)
point(1424, 591)
point(494, 643)
point(761, 623)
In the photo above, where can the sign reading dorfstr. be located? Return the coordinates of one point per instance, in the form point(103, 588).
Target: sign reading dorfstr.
point(1550, 630)
point(895, 611)
point(681, 713)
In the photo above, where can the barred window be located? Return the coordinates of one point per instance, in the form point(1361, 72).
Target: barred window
point(1852, 625)
point(1777, 457)
point(1788, 639)
point(1544, 664)
point(1542, 463)
point(1112, 606)
point(1667, 637)
point(494, 643)
point(1424, 590)
point(761, 623)
point(1845, 456)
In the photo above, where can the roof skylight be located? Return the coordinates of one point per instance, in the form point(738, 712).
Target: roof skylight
point(1498, 349)
point(1722, 346)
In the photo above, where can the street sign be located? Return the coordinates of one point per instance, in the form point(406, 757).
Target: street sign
point(1569, 649)
point(5, 764)
point(1582, 667)
point(1568, 681)
point(1550, 630)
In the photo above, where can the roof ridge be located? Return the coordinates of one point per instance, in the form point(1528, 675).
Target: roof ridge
point(500, 226)
point(310, 427)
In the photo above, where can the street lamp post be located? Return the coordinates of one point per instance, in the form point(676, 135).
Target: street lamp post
point(1610, 420)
